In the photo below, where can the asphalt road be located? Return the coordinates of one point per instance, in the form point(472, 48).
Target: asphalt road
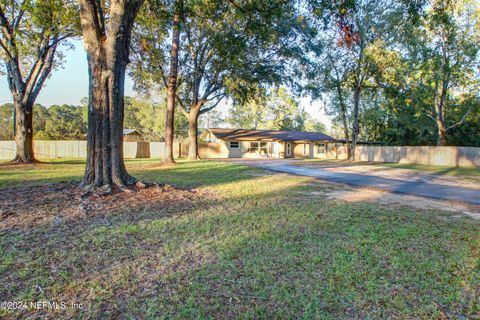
point(416, 187)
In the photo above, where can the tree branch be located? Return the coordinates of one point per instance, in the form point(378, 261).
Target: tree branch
point(18, 19)
point(44, 74)
point(430, 116)
point(43, 53)
point(182, 106)
point(236, 5)
point(205, 110)
point(4, 47)
point(92, 31)
point(55, 42)
point(459, 123)
point(4, 21)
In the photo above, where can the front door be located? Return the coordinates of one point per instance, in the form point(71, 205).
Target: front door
point(289, 149)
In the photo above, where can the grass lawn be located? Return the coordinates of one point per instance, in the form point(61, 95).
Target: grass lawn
point(260, 246)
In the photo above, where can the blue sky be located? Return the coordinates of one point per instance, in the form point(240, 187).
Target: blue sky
point(69, 84)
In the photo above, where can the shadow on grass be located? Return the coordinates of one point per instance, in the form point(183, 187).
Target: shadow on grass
point(257, 253)
point(185, 174)
point(197, 174)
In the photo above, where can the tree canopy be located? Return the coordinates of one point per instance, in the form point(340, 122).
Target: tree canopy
point(31, 35)
point(410, 80)
point(396, 72)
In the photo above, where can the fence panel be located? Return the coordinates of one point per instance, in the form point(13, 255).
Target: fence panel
point(447, 156)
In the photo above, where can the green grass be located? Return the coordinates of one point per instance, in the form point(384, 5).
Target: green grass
point(266, 246)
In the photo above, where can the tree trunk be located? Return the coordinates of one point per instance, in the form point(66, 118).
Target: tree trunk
point(347, 135)
point(356, 126)
point(441, 131)
point(442, 137)
point(440, 104)
point(105, 164)
point(343, 109)
point(172, 87)
point(193, 133)
point(108, 56)
point(24, 132)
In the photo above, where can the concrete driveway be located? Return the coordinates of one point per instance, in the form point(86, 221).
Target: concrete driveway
point(407, 185)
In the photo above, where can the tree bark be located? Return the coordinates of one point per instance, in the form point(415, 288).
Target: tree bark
point(193, 133)
point(105, 164)
point(24, 132)
point(345, 132)
point(356, 126)
point(107, 54)
point(172, 85)
point(343, 110)
point(440, 101)
point(442, 135)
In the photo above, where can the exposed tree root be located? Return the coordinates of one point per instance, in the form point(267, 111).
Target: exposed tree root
point(55, 204)
point(108, 189)
point(20, 160)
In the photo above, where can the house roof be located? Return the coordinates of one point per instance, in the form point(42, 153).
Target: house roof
point(245, 134)
point(130, 131)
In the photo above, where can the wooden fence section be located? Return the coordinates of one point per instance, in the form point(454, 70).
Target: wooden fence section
point(45, 149)
point(444, 156)
point(447, 156)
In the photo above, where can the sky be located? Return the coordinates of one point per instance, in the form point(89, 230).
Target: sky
point(69, 85)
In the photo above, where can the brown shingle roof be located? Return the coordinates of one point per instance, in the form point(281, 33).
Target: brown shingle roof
point(244, 134)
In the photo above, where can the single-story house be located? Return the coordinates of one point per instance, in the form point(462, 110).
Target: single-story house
point(242, 143)
point(131, 135)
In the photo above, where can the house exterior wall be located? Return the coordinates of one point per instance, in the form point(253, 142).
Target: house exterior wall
point(278, 149)
point(323, 155)
point(220, 149)
point(311, 151)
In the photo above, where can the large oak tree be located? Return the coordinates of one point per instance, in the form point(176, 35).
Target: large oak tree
point(31, 34)
point(107, 27)
point(228, 49)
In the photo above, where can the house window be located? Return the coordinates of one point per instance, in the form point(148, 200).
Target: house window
point(305, 149)
point(234, 145)
point(260, 148)
point(321, 148)
point(289, 149)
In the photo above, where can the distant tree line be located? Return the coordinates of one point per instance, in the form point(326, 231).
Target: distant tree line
point(59, 122)
point(69, 122)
